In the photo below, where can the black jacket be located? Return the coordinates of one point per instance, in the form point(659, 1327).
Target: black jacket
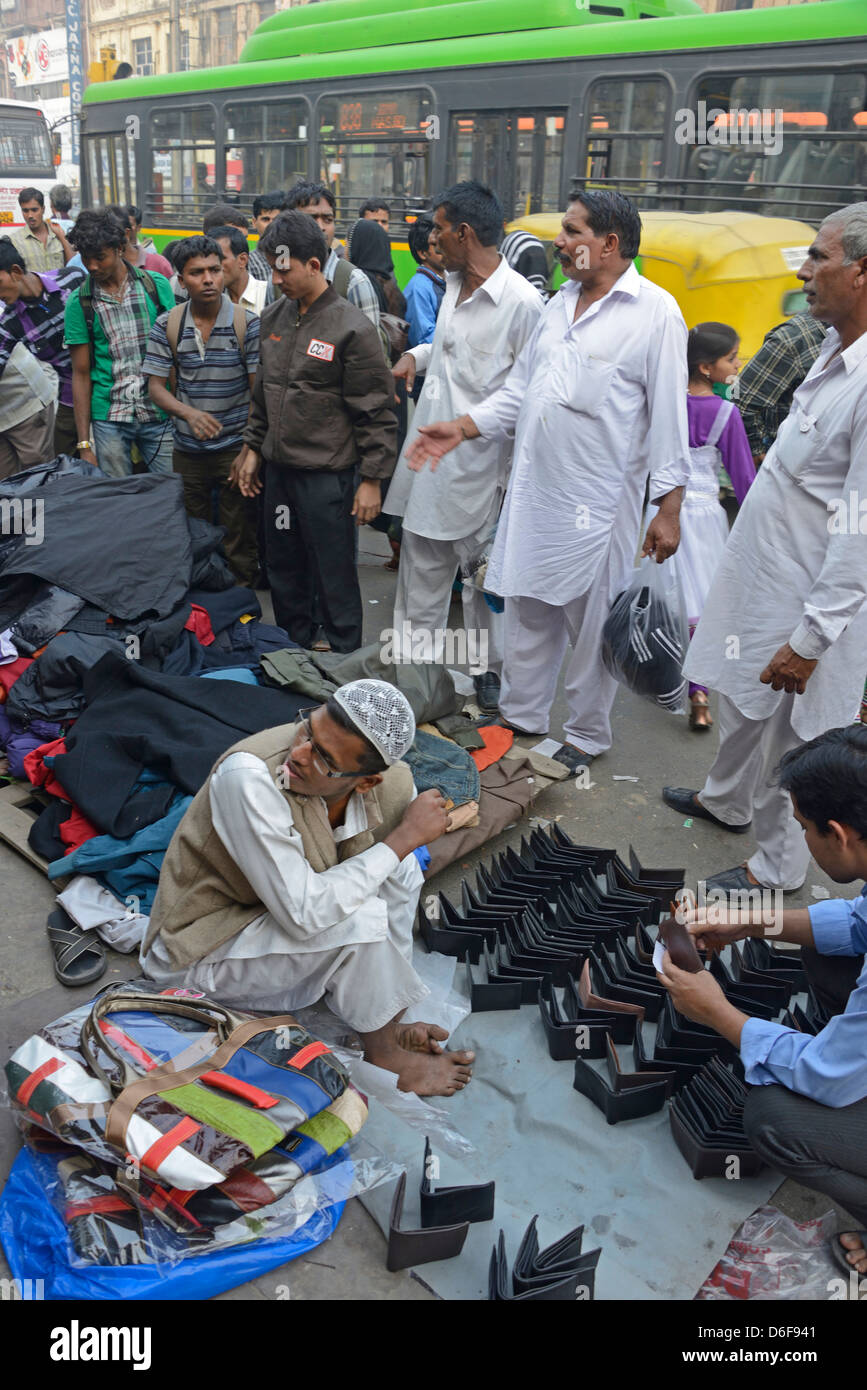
point(323, 396)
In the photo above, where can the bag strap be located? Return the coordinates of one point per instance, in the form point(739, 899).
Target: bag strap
point(174, 327)
point(431, 275)
point(161, 1078)
point(85, 299)
point(148, 284)
point(342, 276)
point(239, 324)
point(211, 1014)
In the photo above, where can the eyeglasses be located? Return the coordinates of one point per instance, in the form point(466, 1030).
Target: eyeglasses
point(321, 761)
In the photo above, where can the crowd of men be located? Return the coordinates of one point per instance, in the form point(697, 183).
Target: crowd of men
point(278, 382)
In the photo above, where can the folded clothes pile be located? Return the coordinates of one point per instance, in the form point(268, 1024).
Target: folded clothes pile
point(106, 625)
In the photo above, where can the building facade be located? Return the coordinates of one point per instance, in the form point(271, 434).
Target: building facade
point(35, 67)
point(158, 36)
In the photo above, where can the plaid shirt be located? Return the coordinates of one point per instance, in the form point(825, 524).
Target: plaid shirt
point(769, 380)
point(36, 256)
point(38, 324)
point(127, 325)
point(257, 265)
point(360, 293)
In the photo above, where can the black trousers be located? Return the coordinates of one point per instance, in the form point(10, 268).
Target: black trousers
point(310, 554)
point(818, 1146)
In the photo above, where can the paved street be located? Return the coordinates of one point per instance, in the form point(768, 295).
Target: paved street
point(650, 746)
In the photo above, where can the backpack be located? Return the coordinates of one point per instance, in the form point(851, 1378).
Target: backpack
point(85, 299)
point(177, 319)
point(393, 331)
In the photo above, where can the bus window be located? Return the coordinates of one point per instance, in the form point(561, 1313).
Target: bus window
point(376, 145)
point(626, 123)
point(185, 176)
point(111, 168)
point(517, 153)
point(538, 143)
point(782, 144)
point(25, 145)
point(477, 149)
point(266, 146)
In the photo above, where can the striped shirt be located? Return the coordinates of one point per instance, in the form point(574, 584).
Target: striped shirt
point(38, 324)
point(213, 376)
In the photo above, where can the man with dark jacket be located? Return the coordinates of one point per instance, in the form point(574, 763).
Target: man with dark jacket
point(322, 406)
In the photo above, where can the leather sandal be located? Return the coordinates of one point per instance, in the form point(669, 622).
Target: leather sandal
point(700, 719)
point(79, 956)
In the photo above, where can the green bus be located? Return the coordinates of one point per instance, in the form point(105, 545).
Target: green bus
point(399, 98)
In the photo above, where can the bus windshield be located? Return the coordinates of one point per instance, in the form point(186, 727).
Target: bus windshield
point(25, 145)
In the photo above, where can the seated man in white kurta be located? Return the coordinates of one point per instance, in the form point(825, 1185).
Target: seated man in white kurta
point(597, 404)
point(292, 876)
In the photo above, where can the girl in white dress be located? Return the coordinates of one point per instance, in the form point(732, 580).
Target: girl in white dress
point(716, 436)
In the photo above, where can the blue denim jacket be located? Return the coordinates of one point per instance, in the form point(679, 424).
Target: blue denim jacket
point(437, 762)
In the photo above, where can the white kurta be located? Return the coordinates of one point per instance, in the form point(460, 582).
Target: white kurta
point(474, 347)
point(345, 933)
point(792, 572)
point(595, 405)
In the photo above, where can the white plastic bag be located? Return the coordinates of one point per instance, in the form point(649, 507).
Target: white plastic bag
point(646, 636)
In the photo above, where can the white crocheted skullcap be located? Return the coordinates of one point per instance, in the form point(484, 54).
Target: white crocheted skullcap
point(381, 713)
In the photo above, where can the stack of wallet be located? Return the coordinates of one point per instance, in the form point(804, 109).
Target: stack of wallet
point(539, 914)
point(706, 1119)
point(559, 1273)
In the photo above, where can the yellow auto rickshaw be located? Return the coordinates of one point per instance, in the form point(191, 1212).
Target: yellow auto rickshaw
point(729, 267)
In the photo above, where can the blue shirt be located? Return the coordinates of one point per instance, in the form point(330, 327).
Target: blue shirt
point(423, 297)
point(831, 1067)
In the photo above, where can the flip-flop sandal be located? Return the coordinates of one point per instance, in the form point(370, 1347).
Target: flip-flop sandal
point(839, 1252)
point(79, 956)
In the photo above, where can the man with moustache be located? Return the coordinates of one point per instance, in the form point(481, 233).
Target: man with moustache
point(596, 403)
point(784, 628)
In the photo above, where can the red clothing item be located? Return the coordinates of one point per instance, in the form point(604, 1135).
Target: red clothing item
point(76, 828)
point(9, 673)
point(39, 774)
point(200, 625)
point(496, 740)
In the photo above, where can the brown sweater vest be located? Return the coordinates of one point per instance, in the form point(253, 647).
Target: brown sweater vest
point(204, 897)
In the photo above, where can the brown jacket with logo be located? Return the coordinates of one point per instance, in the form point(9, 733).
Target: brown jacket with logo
point(323, 396)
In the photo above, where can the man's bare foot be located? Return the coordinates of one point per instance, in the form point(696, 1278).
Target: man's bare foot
point(413, 1051)
point(856, 1255)
point(420, 1037)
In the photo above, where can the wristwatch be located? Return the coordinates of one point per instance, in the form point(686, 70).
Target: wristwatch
point(85, 444)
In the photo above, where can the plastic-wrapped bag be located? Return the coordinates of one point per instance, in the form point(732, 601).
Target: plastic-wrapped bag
point(773, 1257)
point(646, 636)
